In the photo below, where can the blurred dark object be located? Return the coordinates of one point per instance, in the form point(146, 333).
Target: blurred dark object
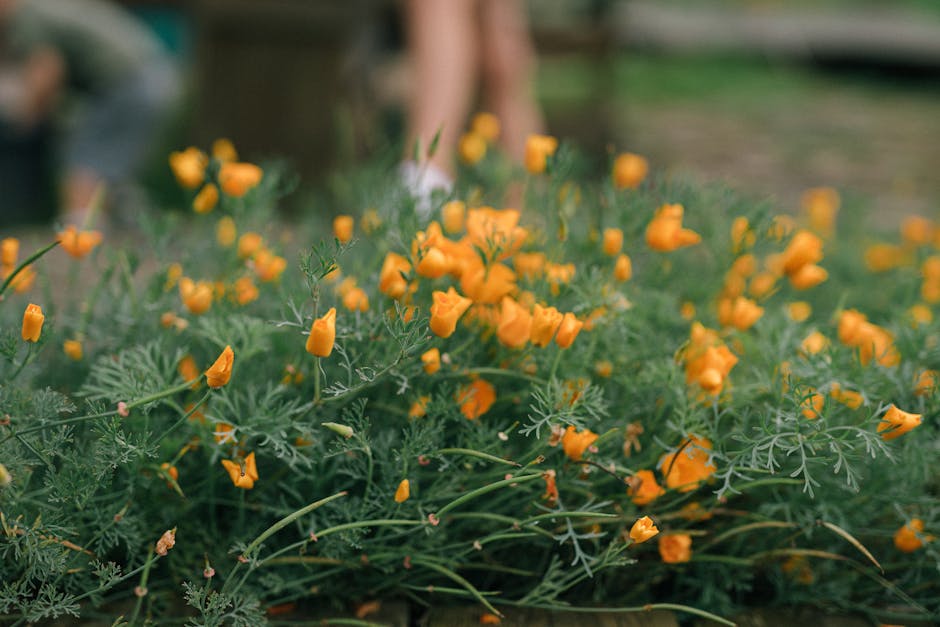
point(272, 76)
point(26, 173)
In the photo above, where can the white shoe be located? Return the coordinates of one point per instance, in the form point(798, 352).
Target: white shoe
point(422, 181)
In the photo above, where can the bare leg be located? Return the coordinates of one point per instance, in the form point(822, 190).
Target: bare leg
point(508, 68)
point(442, 37)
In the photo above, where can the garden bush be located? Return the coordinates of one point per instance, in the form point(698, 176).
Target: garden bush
point(629, 393)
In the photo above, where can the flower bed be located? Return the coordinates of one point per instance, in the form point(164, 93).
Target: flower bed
point(632, 394)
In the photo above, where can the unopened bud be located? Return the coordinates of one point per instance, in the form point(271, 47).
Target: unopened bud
point(343, 430)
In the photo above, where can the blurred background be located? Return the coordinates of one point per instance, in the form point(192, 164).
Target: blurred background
point(771, 96)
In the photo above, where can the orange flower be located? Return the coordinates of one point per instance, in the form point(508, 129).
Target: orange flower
point(744, 313)
point(447, 308)
point(911, 536)
point(403, 492)
point(471, 148)
point(392, 283)
point(808, 276)
point(538, 148)
point(9, 251)
point(452, 216)
point(675, 548)
point(742, 236)
point(189, 371)
point(686, 469)
point(356, 300)
point(431, 360)
point(821, 204)
point(545, 321)
point(924, 382)
point(551, 487)
point(849, 398)
point(494, 231)
point(237, 179)
point(490, 619)
point(171, 471)
point(814, 343)
point(896, 423)
point(799, 311)
point(420, 407)
point(343, 228)
point(883, 257)
point(433, 264)
point(529, 265)
point(813, 405)
point(623, 268)
point(220, 372)
point(242, 475)
point(224, 150)
point(643, 488)
point(871, 340)
point(604, 368)
point(223, 433)
point(665, 233)
point(568, 330)
point(245, 291)
point(486, 125)
point(249, 244)
point(78, 243)
point(322, 334)
point(197, 297)
point(629, 170)
point(917, 230)
point(73, 349)
point(575, 443)
point(476, 398)
point(189, 167)
point(206, 199)
point(643, 529)
point(762, 284)
point(268, 266)
point(612, 242)
point(515, 324)
point(225, 232)
point(32, 323)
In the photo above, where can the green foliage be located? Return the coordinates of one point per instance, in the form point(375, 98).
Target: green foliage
point(107, 454)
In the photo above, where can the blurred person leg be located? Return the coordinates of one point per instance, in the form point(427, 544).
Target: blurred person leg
point(508, 67)
point(443, 43)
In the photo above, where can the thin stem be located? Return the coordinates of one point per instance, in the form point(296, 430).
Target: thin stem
point(184, 418)
point(36, 255)
point(469, 496)
point(142, 585)
point(29, 353)
point(316, 380)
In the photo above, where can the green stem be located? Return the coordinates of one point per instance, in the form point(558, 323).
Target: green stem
point(36, 255)
point(143, 587)
point(479, 454)
point(469, 496)
point(382, 522)
point(29, 353)
point(675, 607)
point(459, 580)
point(555, 363)
point(184, 418)
point(316, 380)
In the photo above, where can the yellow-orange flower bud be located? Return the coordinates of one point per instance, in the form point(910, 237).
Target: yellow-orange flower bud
point(629, 170)
point(612, 241)
point(249, 244)
point(575, 443)
point(432, 360)
point(821, 204)
point(237, 179)
point(32, 322)
point(242, 475)
point(687, 468)
point(665, 233)
point(896, 423)
point(224, 150)
point(189, 167)
point(9, 251)
point(206, 199)
point(642, 530)
point(196, 296)
point(924, 382)
point(476, 398)
point(471, 148)
point(917, 230)
point(643, 488)
point(78, 243)
point(356, 299)
point(433, 264)
point(453, 215)
point(322, 334)
point(343, 228)
point(537, 150)
point(220, 372)
point(545, 322)
point(814, 343)
point(268, 266)
point(808, 276)
point(225, 232)
point(403, 492)
point(911, 536)
point(813, 405)
point(883, 257)
point(73, 349)
point(392, 283)
point(799, 311)
point(623, 268)
point(568, 330)
point(515, 324)
point(446, 310)
point(486, 125)
point(245, 291)
point(675, 548)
